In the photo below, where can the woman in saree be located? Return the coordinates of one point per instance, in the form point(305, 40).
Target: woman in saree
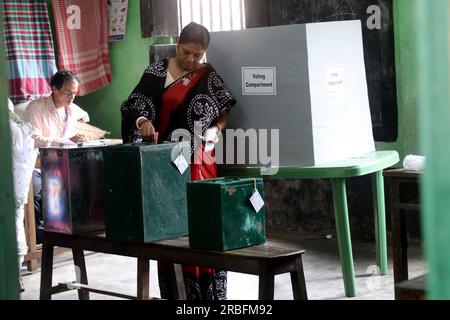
point(175, 96)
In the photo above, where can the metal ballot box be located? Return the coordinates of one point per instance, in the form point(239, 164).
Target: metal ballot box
point(72, 189)
point(221, 216)
point(145, 192)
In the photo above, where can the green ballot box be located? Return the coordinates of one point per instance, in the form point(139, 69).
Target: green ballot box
point(222, 216)
point(145, 195)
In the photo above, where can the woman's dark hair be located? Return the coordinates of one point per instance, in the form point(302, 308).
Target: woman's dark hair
point(195, 33)
point(62, 77)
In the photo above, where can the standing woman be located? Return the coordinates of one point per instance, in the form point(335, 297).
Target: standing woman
point(172, 97)
point(23, 160)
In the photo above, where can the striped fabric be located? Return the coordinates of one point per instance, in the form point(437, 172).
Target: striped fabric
point(29, 49)
point(82, 37)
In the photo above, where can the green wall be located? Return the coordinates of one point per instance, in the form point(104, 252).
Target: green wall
point(9, 283)
point(129, 59)
point(407, 80)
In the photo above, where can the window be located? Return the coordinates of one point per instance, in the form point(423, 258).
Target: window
point(215, 15)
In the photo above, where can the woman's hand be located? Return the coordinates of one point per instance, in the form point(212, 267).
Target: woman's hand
point(211, 138)
point(212, 135)
point(148, 131)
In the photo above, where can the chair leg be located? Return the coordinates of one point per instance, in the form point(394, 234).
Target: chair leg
point(380, 221)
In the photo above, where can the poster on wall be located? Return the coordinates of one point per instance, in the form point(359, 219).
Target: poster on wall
point(117, 11)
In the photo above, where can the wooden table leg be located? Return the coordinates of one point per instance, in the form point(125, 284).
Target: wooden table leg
point(298, 281)
point(399, 237)
point(400, 248)
point(143, 279)
point(46, 271)
point(403, 261)
point(80, 271)
point(380, 221)
point(343, 235)
point(266, 283)
point(176, 280)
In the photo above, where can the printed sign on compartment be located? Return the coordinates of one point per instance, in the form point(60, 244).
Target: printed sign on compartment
point(259, 81)
point(335, 79)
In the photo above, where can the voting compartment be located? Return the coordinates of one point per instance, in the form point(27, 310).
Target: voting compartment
point(301, 90)
point(145, 192)
point(222, 216)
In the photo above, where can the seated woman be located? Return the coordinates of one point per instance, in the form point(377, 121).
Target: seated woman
point(54, 119)
point(23, 160)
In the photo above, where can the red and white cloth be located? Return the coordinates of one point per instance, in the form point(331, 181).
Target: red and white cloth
point(29, 49)
point(82, 37)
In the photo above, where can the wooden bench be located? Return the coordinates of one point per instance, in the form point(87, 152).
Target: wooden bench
point(413, 289)
point(266, 261)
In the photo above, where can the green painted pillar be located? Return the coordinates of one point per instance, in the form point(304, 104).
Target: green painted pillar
point(433, 65)
point(407, 80)
point(9, 285)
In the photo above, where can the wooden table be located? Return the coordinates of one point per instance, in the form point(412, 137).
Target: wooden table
point(371, 163)
point(404, 194)
point(266, 261)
